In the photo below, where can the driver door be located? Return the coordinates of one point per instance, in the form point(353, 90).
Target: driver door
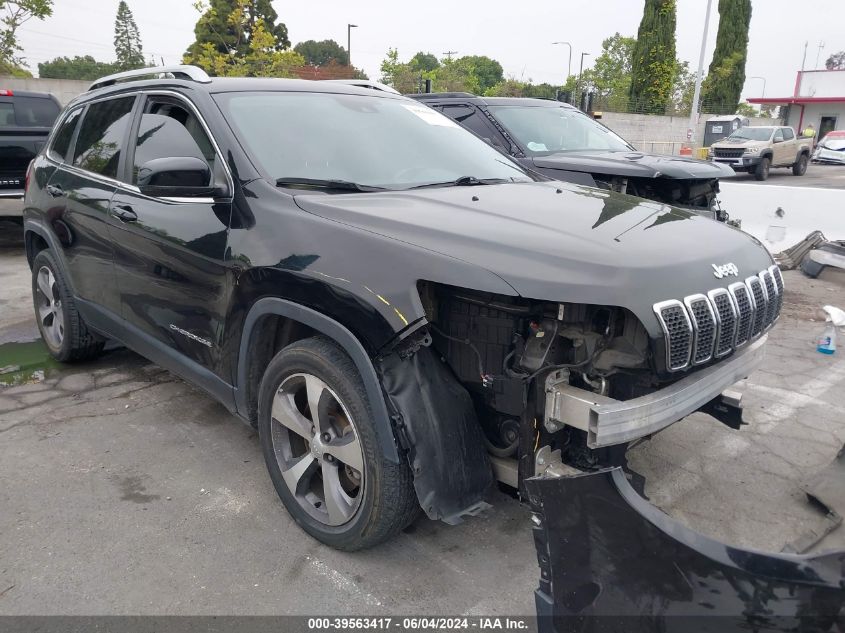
point(169, 250)
point(779, 148)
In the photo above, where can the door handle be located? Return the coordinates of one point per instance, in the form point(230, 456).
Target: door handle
point(123, 212)
point(55, 190)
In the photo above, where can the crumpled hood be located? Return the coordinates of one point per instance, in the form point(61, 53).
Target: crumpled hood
point(557, 241)
point(634, 164)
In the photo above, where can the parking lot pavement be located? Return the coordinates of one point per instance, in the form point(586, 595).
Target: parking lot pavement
point(818, 175)
point(127, 491)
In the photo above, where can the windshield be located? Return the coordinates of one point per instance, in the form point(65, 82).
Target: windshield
point(752, 134)
point(541, 130)
point(370, 141)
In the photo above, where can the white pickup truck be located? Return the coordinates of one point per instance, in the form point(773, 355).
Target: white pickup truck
point(757, 149)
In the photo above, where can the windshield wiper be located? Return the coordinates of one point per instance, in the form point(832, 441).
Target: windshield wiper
point(320, 183)
point(464, 181)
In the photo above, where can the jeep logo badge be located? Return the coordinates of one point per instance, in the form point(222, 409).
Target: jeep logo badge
point(724, 270)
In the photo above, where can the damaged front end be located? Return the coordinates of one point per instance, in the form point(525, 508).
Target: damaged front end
point(610, 561)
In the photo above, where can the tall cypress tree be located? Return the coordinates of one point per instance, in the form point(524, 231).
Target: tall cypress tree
point(127, 39)
point(726, 77)
point(231, 36)
point(654, 64)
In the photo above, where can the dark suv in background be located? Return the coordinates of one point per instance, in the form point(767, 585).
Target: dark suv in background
point(404, 314)
point(25, 122)
point(561, 142)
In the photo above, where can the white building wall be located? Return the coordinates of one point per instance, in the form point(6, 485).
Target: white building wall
point(822, 83)
point(813, 113)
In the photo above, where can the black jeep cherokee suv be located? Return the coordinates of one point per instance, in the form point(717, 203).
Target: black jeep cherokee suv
point(404, 313)
point(561, 142)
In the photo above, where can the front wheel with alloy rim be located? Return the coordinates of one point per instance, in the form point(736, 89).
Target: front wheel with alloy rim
point(322, 449)
point(62, 327)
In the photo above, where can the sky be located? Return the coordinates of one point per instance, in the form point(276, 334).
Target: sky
point(518, 34)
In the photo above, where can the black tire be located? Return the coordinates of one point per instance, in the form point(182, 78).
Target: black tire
point(388, 502)
point(77, 342)
point(799, 168)
point(762, 170)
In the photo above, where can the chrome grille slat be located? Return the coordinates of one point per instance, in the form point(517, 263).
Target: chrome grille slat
point(771, 297)
point(712, 325)
point(726, 319)
point(758, 296)
point(745, 309)
point(704, 327)
point(677, 327)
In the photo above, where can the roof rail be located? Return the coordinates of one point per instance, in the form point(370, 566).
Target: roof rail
point(365, 83)
point(194, 73)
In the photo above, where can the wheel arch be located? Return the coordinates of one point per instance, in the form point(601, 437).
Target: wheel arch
point(309, 321)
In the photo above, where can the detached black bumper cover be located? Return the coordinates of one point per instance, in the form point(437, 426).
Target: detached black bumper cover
point(610, 561)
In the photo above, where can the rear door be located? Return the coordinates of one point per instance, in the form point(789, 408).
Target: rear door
point(170, 249)
point(779, 148)
point(81, 189)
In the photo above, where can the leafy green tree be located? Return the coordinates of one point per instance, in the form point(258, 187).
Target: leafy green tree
point(726, 77)
point(485, 71)
point(835, 61)
point(746, 109)
point(653, 67)
point(398, 74)
point(262, 58)
point(424, 62)
point(228, 26)
point(85, 67)
point(15, 13)
point(322, 53)
point(610, 76)
point(684, 89)
point(127, 39)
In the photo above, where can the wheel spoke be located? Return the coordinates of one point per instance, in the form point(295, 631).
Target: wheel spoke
point(339, 505)
point(44, 312)
point(348, 450)
point(315, 388)
point(285, 413)
point(298, 476)
point(45, 284)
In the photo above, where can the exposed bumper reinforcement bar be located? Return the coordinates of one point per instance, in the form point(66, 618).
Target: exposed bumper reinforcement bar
point(608, 421)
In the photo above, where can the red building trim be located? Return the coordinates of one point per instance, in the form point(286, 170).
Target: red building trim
point(797, 100)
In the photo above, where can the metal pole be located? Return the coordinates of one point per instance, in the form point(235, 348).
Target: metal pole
point(762, 96)
point(569, 67)
point(804, 59)
point(349, 28)
point(693, 117)
point(578, 83)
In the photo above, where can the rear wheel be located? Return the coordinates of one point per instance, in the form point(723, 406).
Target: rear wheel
point(62, 327)
point(762, 170)
point(799, 168)
point(322, 450)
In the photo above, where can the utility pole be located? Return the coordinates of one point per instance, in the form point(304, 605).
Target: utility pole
point(569, 67)
point(349, 28)
point(449, 54)
point(578, 83)
point(821, 48)
point(693, 116)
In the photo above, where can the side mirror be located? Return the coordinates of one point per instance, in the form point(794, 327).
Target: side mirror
point(176, 176)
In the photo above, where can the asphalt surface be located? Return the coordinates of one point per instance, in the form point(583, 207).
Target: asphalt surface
point(127, 491)
point(818, 175)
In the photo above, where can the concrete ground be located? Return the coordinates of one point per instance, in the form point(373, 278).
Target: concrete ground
point(818, 175)
point(127, 491)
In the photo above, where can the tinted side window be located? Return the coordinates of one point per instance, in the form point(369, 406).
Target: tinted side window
point(778, 135)
point(101, 136)
point(788, 134)
point(170, 131)
point(61, 142)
